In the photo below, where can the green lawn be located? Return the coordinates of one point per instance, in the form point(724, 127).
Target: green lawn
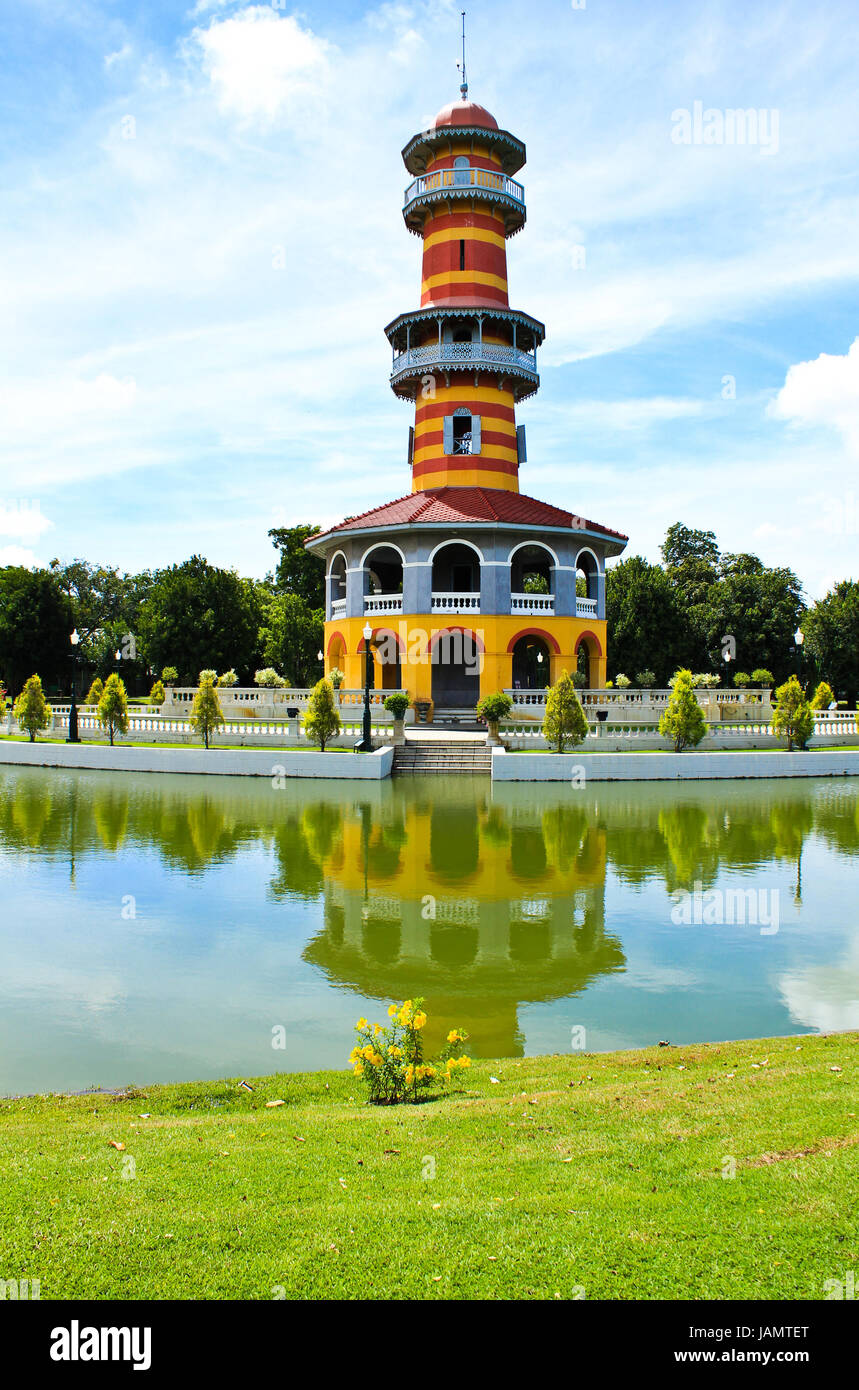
point(594, 1172)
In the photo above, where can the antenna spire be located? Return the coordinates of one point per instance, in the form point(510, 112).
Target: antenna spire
point(463, 88)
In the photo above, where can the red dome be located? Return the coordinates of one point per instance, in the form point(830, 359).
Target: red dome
point(465, 113)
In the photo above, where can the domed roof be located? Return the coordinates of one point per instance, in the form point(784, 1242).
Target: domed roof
point(467, 113)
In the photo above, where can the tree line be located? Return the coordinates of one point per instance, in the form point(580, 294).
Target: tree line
point(195, 616)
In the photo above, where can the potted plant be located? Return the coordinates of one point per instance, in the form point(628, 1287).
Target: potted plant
point(169, 675)
point(336, 677)
point(397, 704)
point(492, 708)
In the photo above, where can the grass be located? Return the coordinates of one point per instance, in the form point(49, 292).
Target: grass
point(594, 1172)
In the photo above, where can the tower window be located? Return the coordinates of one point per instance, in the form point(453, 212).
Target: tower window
point(462, 434)
point(462, 255)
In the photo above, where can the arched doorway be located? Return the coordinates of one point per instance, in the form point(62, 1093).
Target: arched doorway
point(457, 661)
point(531, 664)
point(588, 660)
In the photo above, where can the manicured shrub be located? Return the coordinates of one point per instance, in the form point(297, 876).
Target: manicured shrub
point(268, 677)
point(157, 694)
point(322, 718)
point(683, 719)
point(645, 680)
point(741, 679)
point(621, 681)
point(169, 675)
point(793, 715)
point(762, 677)
point(31, 709)
point(565, 721)
point(824, 696)
point(494, 706)
point(206, 716)
point(95, 692)
point(113, 707)
point(229, 678)
point(397, 703)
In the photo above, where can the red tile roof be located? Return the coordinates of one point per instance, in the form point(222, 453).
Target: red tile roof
point(455, 505)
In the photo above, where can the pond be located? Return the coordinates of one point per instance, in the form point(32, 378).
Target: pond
point(161, 928)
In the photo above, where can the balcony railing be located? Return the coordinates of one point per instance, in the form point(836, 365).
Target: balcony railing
point(383, 603)
point(532, 603)
point(338, 608)
point(466, 355)
point(455, 603)
point(444, 182)
point(586, 607)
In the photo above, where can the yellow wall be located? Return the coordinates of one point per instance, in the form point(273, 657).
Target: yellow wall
point(495, 632)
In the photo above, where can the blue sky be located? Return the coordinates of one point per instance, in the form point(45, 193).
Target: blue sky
point(201, 240)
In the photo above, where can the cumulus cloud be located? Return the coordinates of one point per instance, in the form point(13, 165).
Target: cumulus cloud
point(262, 65)
point(823, 392)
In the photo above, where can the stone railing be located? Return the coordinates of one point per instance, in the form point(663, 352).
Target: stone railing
point(586, 607)
point(532, 603)
point(383, 603)
point(637, 705)
point(455, 603)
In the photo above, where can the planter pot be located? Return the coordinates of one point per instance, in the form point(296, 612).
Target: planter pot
point(492, 739)
point(399, 732)
point(422, 709)
point(602, 715)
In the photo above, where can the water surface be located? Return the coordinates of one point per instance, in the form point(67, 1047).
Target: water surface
point(160, 928)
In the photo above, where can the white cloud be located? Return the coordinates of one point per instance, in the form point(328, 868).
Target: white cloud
point(119, 56)
point(823, 393)
point(263, 65)
point(23, 518)
point(17, 555)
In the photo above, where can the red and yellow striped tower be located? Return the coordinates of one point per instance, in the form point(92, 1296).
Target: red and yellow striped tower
point(465, 357)
point(469, 585)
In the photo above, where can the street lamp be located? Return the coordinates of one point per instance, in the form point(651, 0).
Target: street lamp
point(367, 741)
point(73, 736)
point(799, 638)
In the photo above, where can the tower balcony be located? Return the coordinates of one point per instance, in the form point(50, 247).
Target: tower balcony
point(445, 357)
point(465, 182)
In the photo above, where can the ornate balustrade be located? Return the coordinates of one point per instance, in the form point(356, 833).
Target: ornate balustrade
point(383, 603)
point(586, 607)
point(455, 603)
point(532, 603)
point(463, 181)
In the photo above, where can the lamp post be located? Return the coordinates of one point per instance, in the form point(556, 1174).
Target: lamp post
point(73, 736)
point(367, 741)
point(799, 638)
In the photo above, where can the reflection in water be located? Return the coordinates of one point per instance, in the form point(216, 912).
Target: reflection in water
point(496, 904)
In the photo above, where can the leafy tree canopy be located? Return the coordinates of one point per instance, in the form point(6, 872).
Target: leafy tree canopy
point(298, 572)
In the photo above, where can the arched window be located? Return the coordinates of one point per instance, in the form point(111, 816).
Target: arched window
point(461, 171)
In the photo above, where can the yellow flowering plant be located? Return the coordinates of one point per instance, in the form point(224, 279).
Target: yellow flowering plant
point(390, 1061)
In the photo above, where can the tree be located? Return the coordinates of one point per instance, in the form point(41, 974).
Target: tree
point(647, 627)
point(683, 719)
point(565, 720)
point(95, 692)
point(157, 694)
point(196, 616)
point(35, 626)
point(322, 719)
point(823, 696)
point(291, 636)
point(492, 708)
point(206, 715)
point(793, 715)
point(831, 630)
point(298, 571)
point(104, 603)
point(31, 708)
point(683, 544)
point(113, 707)
point(759, 607)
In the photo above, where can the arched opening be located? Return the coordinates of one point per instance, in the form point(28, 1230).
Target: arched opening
point(455, 574)
point(587, 661)
point(385, 670)
point(461, 171)
point(532, 580)
point(383, 580)
point(337, 586)
point(531, 664)
point(457, 661)
point(587, 574)
point(336, 654)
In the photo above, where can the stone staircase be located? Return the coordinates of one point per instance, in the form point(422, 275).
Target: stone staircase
point(435, 753)
point(457, 717)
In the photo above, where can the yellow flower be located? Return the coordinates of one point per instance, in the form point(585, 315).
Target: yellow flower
point(394, 1051)
point(410, 1074)
point(420, 1020)
point(465, 1061)
point(377, 1028)
point(453, 1036)
point(362, 1023)
point(367, 1051)
point(378, 1059)
point(358, 1069)
point(355, 1054)
point(392, 1009)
